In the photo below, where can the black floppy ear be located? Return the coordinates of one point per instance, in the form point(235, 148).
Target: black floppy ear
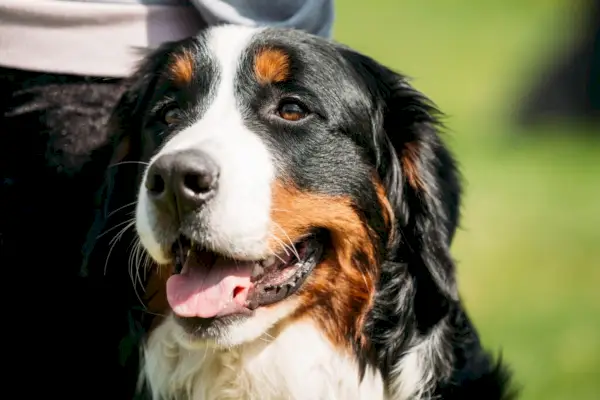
point(422, 184)
point(125, 127)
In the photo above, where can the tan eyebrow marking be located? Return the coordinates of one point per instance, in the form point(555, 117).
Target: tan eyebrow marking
point(271, 66)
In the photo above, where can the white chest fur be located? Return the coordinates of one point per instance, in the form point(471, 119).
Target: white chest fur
point(297, 364)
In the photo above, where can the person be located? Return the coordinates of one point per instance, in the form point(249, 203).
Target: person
point(100, 37)
point(74, 331)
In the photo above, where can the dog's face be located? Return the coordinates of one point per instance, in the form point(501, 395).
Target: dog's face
point(283, 170)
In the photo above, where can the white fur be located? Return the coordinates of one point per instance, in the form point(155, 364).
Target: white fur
point(290, 362)
point(237, 220)
point(418, 369)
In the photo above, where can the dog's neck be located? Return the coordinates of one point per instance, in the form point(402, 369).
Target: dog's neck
point(294, 362)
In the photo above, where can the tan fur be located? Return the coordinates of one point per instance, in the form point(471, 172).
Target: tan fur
point(271, 66)
point(340, 290)
point(182, 68)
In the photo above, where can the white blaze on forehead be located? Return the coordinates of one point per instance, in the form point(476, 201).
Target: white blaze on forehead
point(237, 220)
point(227, 46)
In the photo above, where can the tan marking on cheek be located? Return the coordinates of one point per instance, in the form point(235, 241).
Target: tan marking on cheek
point(155, 296)
point(296, 213)
point(271, 66)
point(338, 297)
point(340, 290)
point(182, 68)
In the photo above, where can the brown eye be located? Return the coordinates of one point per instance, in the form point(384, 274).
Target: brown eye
point(292, 110)
point(171, 115)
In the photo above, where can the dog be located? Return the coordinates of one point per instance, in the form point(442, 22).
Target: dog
point(299, 203)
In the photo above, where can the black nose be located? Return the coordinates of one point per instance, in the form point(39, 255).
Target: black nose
point(182, 181)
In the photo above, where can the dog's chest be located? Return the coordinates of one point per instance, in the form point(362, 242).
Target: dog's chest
point(297, 365)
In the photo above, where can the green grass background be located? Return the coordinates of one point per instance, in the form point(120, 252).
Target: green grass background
point(528, 252)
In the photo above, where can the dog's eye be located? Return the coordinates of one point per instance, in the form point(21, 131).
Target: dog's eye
point(171, 115)
point(292, 110)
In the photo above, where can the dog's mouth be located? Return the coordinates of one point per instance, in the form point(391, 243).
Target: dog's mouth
point(207, 284)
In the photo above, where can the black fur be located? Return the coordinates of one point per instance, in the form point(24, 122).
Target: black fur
point(417, 290)
point(65, 327)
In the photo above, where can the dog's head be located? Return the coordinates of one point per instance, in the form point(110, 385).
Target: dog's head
point(283, 171)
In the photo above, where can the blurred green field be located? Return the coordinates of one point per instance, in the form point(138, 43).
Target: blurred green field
point(529, 250)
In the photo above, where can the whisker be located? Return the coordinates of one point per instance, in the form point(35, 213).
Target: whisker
point(133, 261)
point(280, 210)
point(281, 242)
point(138, 263)
point(120, 208)
point(266, 340)
point(284, 248)
point(114, 241)
point(292, 248)
point(129, 261)
point(128, 162)
point(153, 313)
point(147, 264)
point(129, 221)
point(134, 264)
point(267, 337)
point(285, 245)
point(122, 231)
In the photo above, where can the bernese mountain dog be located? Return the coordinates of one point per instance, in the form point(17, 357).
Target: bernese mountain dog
point(298, 204)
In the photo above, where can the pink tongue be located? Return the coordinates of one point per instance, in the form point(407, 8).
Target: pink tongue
point(209, 288)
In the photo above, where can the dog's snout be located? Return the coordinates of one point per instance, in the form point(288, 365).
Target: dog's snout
point(183, 180)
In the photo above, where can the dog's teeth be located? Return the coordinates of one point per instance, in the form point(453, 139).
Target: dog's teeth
point(252, 305)
point(258, 270)
point(269, 262)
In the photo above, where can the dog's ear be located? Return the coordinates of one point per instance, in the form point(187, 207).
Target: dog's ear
point(121, 157)
point(421, 181)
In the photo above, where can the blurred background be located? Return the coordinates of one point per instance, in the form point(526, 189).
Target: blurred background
point(528, 252)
